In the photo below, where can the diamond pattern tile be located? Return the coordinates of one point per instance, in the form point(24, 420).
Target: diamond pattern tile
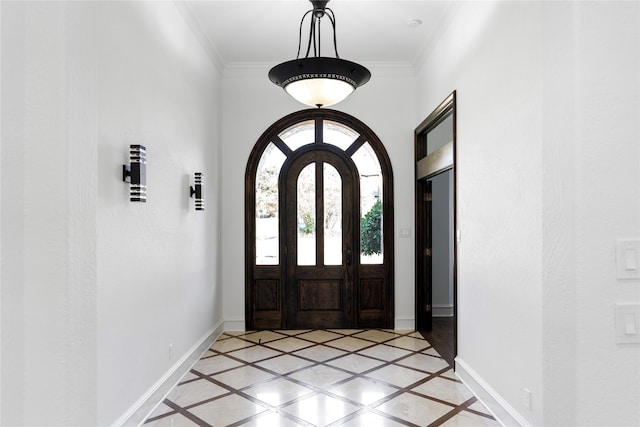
point(318, 378)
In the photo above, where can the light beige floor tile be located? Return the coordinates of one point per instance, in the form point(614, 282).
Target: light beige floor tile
point(447, 390)
point(377, 336)
point(415, 409)
point(409, 343)
point(335, 374)
point(242, 377)
point(188, 377)
point(161, 409)
point(478, 406)
point(284, 364)
point(369, 419)
point(355, 363)
point(236, 333)
point(424, 362)
point(292, 331)
point(362, 391)
point(320, 410)
point(289, 344)
point(468, 419)
point(278, 392)
point(231, 344)
point(416, 335)
point(255, 353)
point(350, 344)
point(397, 375)
point(345, 331)
point(432, 351)
point(227, 410)
point(175, 420)
point(385, 352)
point(271, 419)
point(194, 392)
point(320, 336)
point(319, 353)
point(450, 374)
point(264, 336)
point(215, 364)
point(320, 376)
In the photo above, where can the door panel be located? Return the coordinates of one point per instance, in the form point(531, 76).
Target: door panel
point(319, 240)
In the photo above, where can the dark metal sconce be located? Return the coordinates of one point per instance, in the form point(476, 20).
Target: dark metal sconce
point(137, 173)
point(197, 192)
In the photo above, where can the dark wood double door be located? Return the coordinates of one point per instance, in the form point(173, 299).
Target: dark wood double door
point(304, 264)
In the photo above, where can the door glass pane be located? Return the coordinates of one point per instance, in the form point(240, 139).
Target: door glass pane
point(371, 220)
point(299, 134)
point(267, 205)
point(338, 134)
point(307, 215)
point(332, 216)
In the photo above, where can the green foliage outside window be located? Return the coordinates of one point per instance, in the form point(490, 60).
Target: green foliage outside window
point(370, 234)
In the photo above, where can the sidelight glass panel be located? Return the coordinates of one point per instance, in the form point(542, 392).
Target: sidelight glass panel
point(371, 218)
point(267, 233)
point(306, 215)
point(338, 134)
point(300, 134)
point(332, 216)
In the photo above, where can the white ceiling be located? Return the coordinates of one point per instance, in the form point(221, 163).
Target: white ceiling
point(262, 31)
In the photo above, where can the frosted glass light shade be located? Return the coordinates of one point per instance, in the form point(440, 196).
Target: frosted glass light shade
point(319, 92)
point(319, 81)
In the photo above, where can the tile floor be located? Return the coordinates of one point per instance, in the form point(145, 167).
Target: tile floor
point(321, 378)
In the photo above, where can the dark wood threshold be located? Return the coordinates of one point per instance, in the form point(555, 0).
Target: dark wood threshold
point(441, 338)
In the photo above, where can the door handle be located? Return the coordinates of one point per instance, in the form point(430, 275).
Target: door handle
point(349, 257)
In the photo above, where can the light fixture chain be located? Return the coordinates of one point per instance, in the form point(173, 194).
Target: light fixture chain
point(332, 18)
point(319, 39)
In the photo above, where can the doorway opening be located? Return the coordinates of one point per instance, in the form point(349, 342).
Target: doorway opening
point(435, 192)
point(319, 225)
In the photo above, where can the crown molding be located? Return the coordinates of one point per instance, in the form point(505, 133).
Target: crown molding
point(195, 25)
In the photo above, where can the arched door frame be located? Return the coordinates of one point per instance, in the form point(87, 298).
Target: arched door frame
point(272, 277)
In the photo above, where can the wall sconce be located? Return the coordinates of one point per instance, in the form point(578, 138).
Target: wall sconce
point(197, 192)
point(137, 173)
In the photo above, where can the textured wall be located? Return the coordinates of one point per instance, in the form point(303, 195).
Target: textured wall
point(95, 288)
point(548, 117)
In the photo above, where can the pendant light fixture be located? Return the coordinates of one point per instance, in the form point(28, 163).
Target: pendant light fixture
point(317, 80)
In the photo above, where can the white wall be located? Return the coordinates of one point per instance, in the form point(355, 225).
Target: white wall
point(252, 103)
point(95, 288)
point(548, 178)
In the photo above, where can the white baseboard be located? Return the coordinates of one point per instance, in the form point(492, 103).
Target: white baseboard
point(405, 324)
point(500, 409)
point(234, 325)
point(147, 403)
point(442, 311)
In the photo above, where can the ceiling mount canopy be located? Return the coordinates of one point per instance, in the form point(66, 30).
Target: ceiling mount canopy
point(317, 80)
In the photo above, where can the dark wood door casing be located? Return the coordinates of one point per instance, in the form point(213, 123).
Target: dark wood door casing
point(423, 215)
point(268, 300)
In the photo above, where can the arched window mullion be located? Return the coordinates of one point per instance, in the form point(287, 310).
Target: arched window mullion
point(359, 142)
point(281, 145)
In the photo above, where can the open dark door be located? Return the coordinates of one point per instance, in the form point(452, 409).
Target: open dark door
point(424, 282)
